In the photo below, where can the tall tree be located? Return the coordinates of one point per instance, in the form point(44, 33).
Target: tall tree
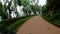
point(3, 13)
point(52, 8)
point(15, 7)
point(26, 9)
point(10, 10)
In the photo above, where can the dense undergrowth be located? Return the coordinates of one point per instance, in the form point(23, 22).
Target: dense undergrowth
point(51, 12)
point(52, 20)
point(9, 25)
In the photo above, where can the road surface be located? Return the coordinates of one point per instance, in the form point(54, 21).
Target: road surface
point(37, 25)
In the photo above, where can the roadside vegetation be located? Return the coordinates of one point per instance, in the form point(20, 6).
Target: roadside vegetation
point(9, 22)
point(51, 12)
point(18, 24)
point(8, 26)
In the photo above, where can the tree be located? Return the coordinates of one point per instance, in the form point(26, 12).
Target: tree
point(39, 9)
point(52, 8)
point(3, 13)
point(10, 10)
point(26, 9)
point(19, 2)
point(16, 2)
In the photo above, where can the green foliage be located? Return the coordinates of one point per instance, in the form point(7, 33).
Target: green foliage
point(19, 2)
point(53, 4)
point(2, 12)
point(26, 9)
point(3, 28)
point(1, 6)
point(12, 23)
point(34, 9)
point(52, 20)
point(25, 2)
point(44, 9)
point(18, 23)
point(57, 23)
point(51, 12)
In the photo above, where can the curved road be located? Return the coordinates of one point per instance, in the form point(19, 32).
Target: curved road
point(37, 25)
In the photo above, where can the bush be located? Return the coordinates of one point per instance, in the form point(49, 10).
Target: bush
point(18, 23)
point(10, 23)
point(56, 23)
point(52, 20)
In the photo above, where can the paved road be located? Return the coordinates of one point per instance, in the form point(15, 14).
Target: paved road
point(37, 25)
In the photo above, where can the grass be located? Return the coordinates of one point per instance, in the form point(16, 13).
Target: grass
point(50, 20)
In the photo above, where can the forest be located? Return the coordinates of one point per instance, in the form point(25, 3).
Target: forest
point(9, 22)
point(51, 12)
